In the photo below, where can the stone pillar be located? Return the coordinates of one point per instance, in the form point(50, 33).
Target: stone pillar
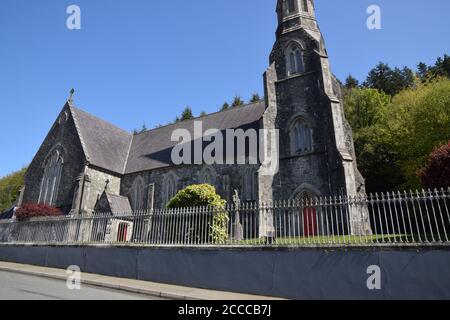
point(19, 201)
point(238, 233)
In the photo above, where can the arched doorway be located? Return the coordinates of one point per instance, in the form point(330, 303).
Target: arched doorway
point(309, 215)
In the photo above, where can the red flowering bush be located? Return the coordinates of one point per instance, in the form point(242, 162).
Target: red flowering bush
point(436, 173)
point(31, 210)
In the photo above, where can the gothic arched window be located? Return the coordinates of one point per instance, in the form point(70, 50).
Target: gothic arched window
point(208, 176)
point(301, 137)
point(51, 178)
point(137, 194)
point(294, 60)
point(305, 6)
point(290, 6)
point(170, 187)
point(249, 186)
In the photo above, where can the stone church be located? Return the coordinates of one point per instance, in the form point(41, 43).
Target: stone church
point(88, 165)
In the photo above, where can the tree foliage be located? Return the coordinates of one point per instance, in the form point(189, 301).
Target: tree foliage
point(237, 102)
point(393, 141)
point(31, 210)
point(187, 114)
point(351, 82)
point(255, 98)
point(365, 107)
point(440, 69)
point(390, 81)
point(225, 106)
point(204, 195)
point(436, 173)
point(10, 187)
point(201, 195)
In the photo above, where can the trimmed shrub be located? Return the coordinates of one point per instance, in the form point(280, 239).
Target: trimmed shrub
point(436, 173)
point(201, 195)
point(32, 210)
point(205, 195)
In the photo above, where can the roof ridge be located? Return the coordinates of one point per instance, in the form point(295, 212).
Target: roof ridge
point(128, 154)
point(77, 127)
point(200, 117)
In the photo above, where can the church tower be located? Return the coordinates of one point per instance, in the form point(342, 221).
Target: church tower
point(316, 151)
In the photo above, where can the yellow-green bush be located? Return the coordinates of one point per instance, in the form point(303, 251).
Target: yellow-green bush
point(205, 195)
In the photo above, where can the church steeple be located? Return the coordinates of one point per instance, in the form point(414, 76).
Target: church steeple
point(295, 14)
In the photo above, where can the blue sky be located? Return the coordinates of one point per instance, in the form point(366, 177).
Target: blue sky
point(137, 61)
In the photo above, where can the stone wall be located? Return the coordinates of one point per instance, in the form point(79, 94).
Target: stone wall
point(62, 135)
point(322, 273)
point(97, 181)
point(330, 167)
point(226, 179)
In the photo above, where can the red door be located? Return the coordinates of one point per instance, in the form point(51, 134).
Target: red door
point(310, 222)
point(123, 232)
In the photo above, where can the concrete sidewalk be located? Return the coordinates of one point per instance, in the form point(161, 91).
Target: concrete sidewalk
point(135, 286)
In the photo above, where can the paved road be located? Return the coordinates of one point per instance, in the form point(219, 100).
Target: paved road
point(16, 286)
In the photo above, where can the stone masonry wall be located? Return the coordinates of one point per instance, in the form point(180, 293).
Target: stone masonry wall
point(63, 135)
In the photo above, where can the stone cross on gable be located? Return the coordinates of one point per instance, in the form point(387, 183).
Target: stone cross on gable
point(72, 91)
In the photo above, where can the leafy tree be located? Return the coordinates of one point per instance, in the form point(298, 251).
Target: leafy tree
point(394, 139)
point(237, 102)
point(225, 106)
point(255, 98)
point(436, 173)
point(10, 187)
point(377, 160)
point(364, 107)
point(418, 121)
point(203, 114)
point(351, 83)
point(204, 195)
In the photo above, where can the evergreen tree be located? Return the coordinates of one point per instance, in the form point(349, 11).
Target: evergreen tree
point(143, 129)
point(255, 98)
point(351, 83)
point(422, 71)
point(237, 102)
point(440, 69)
point(225, 106)
point(187, 114)
point(390, 81)
point(203, 113)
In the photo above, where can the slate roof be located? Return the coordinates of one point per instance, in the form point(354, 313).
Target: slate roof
point(111, 148)
point(118, 204)
point(104, 144)
point(152, 149)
